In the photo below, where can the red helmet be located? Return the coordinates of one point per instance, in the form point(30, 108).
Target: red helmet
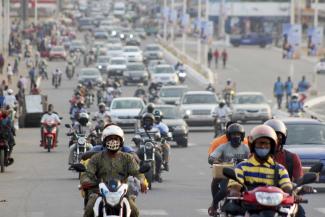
point(262, 131)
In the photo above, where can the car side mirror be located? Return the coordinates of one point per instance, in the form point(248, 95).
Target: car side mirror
point(307, 179)
point(316, 168)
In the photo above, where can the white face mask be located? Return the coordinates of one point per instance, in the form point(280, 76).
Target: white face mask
point(113, 145)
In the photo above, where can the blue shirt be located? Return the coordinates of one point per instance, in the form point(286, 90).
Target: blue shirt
point(163, 128)
point(303, 86)
point(288, 86)
point(278, 88)
point(295, 106)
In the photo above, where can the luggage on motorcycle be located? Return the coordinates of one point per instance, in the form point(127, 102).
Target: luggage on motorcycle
point(217, 170)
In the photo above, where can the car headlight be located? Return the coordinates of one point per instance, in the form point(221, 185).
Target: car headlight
point(148, 145)
point(100, 66)
point(188, 112)
point(269, 199)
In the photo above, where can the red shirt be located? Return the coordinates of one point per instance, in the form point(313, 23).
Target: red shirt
point(216, 54)
point(280, 158)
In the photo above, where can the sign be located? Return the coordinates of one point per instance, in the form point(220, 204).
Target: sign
point(185, 20)
point(292, 35)
point(315, 40)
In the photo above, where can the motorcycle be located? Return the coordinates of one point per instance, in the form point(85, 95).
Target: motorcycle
point(181, 75)
point(56, 80)
point(220, 124)
point(4, 151)
point(229, 96)
point(69, 71)
point(49, 135)
point(264, 200)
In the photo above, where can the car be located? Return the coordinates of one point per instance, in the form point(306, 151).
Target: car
point(135, 73)
point(116, 66)
point(152, 52)
point(114, 51)
point(114, 41)
point(320, 66)
point(197, 107)
point(152, 63)
point(251, 106)
point(99, 48)
point(172, 117)
point(251, 39)
point(140, 32)
point(172, 94)
point(101, 35)
point(85, 24)
point(77, 45)
point(132, 54)
point(133, 40)
point(125, 111)
point(306, 137)
point(90, 74)
point(164, 74)
point(102, 63)
point(57, 52)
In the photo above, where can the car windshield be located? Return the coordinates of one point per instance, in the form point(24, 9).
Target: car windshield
point(118, 62)
point(171, 112)
point(171, 92)
point(249, 99)
point(85, 22)
point(103, 59)
point(114, 48)
point(127, 104)
point(163, 70)
point(131, 50)
point(305, 134)
point(137, 67)
point(57, 49)
point(152, 48)
point(76, 43)
point(200, 99)
point(90, 73)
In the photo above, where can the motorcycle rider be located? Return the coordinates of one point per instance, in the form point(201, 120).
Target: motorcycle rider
point(147, 124)
point(57, 74)
point(150, 108)
point(220, 112)
point(210, 88)
point(110, 164)
point(229, 89)
point(102, 113)
point(262, 144)
point(295, 106)
point(76, 111)
point(42, 66)
point(7, 133)
point(70, 68)
point(81, 127)
point(164, 130)
point(50, 115)
point(231, 151)
point(140, 91)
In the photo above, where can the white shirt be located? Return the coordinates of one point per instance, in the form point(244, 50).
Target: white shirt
point(102, 116)
point(50, 117)
point(10, 100)
point(9, 70)
point(222, 112)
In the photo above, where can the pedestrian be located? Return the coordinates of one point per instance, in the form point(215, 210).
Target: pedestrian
point(278, 90)
point(21, 84)
point(216, 57)
point(224, 55)
point(9, 73)
point(288, 85)
point(16, 65)
point(2, 63)
point(210, 56)
point(35, 90)
point(303, 87)
point(31, 74)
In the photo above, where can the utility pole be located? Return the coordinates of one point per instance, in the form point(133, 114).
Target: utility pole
point(222, 19)
point(6, 24)
point(173, 21)
point(24, 12)
point(2, 29)
point(199, 38)
point(206, 26)
point(165, 21)
point(36, 12)
point(184, 27)
point(316, 13)
point(292, 12)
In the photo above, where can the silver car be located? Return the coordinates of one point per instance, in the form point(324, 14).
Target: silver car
point(198, 106)
point(172, 94)
point(251, 106)
point(164, 74)
point(90, 75)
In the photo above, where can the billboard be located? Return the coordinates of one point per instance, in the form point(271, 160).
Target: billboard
point(315, 40)
point(292, 35)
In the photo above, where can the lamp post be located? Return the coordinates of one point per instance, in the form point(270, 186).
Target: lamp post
point(199, 38)
point(165, 20)
point(316, 13)
point(184, 27)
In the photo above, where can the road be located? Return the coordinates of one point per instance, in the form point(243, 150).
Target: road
point(39, 184)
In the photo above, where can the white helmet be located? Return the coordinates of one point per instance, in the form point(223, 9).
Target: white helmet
point(113, 130)
point(10, 91)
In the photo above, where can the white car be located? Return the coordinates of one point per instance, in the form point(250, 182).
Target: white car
point(251, 106)
point(125, 111)
point(90, 74)
point(133, 54)
point(116, 66)
point(164, 74)
point(320, 66)
point(114, 51)
point(198, 106)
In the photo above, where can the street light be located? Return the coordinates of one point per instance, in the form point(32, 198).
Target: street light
point(199, 38)
point(184, 27)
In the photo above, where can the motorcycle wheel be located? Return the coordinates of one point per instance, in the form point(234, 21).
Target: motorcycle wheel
point(149, 177)
point(2, 160)
point(49, 144)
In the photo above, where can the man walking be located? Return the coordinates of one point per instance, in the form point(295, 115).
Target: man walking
point(224, 55)
point(288, 85)
point(216, 57)
point(278, 90)
point(9, 73)
point(31, 74)
point(2, 63)
point(210, 57)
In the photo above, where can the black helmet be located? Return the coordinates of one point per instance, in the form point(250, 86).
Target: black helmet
point(150, 108)
point(83, 119)
point(148, 120)
point(279, 127)
point(235, 128)
point(158, 115)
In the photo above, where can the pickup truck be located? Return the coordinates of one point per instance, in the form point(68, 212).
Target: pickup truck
point(251, 39)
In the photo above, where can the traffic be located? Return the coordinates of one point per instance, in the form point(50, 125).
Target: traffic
point(107, 119)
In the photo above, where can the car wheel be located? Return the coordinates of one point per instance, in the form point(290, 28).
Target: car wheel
point(182, 143)
point(145, 83)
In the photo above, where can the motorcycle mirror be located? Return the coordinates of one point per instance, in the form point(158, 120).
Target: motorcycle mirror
point(316, 168)
point(67, 125)
point(307, 179)
point(79, 167)
point(145, 167)
point(186, 116)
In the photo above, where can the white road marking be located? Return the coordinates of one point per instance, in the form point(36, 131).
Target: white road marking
point(153, 212)
point(191, 144)
point(202, 212)
point(321, 210)
point(31, 214)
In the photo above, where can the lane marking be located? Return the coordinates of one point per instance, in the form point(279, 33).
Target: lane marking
point(191, 144)
point(31, 214)
point(153, 212)
point(321, 210)
point(202, 211)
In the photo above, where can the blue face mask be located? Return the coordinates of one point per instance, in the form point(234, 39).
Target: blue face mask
point(262, 152)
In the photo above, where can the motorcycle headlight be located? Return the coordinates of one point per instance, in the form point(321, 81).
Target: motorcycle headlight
point(148, 145)
point(82, 141)
point(269, 199)
point(113, 198)
point(100, 66)
point(188, 112)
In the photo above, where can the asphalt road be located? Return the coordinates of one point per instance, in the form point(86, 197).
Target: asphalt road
point(39, 184)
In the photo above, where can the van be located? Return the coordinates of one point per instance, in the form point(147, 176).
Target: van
point(119, 9)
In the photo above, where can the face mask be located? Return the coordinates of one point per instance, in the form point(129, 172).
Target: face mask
point(262, 152)
point(113, 145)
point(235, 141)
